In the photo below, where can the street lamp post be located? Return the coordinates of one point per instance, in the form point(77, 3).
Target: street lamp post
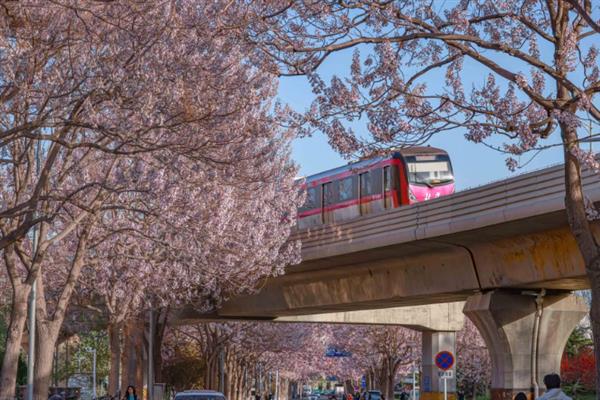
point(94, 395)
point(93, 351)
point(414, 382)
point(151, 332)
point(222, 371)
point(32, 322)
point(277, 385)
point(33, 294)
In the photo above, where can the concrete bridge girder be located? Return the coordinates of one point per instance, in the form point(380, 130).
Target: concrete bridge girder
point(426, 272)
point(432, 317)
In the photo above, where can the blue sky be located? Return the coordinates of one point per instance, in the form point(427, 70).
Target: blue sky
point(474, 164)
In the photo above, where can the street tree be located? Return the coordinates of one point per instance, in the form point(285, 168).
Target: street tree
point(93, 95)
point(411, 77)
point(474, 365)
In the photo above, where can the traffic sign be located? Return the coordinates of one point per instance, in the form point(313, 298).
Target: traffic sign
point(333, 352)
point(444, 360)
point(449, 374)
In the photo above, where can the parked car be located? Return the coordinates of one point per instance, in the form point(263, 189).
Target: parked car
point(373, 395)
point(200, 395)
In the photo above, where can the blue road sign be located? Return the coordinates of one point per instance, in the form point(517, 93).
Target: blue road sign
point(444, 360)
point(333, 352)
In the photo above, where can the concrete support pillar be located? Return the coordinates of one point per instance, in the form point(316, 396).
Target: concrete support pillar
point(508, 322)
point(432, 386)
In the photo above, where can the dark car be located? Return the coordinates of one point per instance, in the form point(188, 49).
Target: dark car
point(200, 395)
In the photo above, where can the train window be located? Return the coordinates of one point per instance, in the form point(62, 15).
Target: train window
point(377, 181)
point(365, 184)
point(346, 189)
point(328, 194)
point(387, 178)
point(429, 170)
point(312, 199)
point(387, 186)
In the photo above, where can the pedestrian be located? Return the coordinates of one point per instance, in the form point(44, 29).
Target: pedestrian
point(57, 396)
point(130, 393)
point(553, 391)
point(521, 396)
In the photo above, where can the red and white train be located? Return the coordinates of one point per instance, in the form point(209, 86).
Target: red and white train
point(369, 186)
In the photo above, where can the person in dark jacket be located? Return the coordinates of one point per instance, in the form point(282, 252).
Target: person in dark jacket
point(130, 393)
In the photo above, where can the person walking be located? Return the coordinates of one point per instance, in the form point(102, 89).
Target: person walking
point(130, 393)
point(521, 396)
point(553, 391)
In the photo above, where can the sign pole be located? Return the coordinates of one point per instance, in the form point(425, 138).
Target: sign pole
point(445, 388)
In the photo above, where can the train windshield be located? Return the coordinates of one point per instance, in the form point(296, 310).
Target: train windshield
point(429, 170)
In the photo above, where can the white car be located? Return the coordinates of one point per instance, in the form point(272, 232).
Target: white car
point(200, 395)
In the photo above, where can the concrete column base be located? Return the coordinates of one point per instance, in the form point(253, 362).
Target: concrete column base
point(432, 386)
point(437, 396)
point(506, 321)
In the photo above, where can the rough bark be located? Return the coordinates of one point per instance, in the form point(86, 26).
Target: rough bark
point(581, 229)
point(49, 324)
point(161, 324)
point(125, 356)
point(115, 359)
point(46, 338)
point(574, 194)
point(139, 356)
point(18, 317)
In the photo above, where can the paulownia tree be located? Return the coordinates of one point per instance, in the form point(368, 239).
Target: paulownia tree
point(249, 351)
point(474, 365)
point(381, 352)
point(96, 97)
point(538, 77)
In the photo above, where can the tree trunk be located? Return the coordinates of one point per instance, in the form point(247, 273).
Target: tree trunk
point(139, 356)
point(48, 326)
point(348, 386)
point(125, 356)
point(46, 338)
point(212, 372)
point(161, 320)
point(115, 359)
point(14, 337)
point(581, 229)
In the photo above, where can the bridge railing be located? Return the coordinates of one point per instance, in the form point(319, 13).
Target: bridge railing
point(528, 195)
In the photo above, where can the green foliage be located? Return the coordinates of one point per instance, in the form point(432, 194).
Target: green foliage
point(185, 373)
point(584, 396)
point(81, 357)
point(579, 340)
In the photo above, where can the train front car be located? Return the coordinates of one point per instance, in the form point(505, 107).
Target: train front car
point(428, 172)
point(375, 185)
